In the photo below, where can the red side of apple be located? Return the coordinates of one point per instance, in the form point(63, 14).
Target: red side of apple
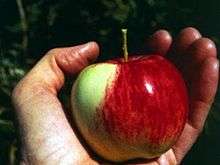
point(147, 104)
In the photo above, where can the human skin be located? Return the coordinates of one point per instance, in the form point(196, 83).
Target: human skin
point(45, 133)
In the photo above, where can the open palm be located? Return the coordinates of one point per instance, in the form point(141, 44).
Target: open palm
point(48, 138)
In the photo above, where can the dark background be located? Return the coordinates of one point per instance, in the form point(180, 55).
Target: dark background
point(29, 28)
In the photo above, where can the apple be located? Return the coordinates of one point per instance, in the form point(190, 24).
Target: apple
point(130, 108)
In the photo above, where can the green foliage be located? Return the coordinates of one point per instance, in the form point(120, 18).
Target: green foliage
point(46, 24)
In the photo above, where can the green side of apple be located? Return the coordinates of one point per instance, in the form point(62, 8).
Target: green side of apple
point(89, 91)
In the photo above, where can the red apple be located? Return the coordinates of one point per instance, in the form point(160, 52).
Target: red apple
point(132, 109)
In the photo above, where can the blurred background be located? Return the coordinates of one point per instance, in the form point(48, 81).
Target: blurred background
point(29, 28)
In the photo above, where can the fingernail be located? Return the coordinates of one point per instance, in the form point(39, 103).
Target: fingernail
point(85, 47)
point(216, 66)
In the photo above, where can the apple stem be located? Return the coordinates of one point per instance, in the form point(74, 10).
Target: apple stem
point(125, 48)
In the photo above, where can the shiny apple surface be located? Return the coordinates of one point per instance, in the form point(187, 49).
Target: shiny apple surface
point(148, 100)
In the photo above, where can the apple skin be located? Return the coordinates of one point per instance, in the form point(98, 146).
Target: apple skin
point(133, 109)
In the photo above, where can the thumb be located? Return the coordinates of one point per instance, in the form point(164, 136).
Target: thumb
point(49, 71)
point(73, 59)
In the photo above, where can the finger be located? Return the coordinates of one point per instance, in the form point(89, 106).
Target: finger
point(179, 54)
point(184, 39)
point(196, 53)
point(202, 91)
point(149, 163)
point(46, 134)
point(167, 158)
point(73, 59)
point(201, 49)
point(185, 142)
point(159, 42)
point(50, 70)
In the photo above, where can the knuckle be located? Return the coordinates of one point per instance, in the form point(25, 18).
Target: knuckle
point(20, 91)
point(54, 51)
point(189, 29)
point(16, 92)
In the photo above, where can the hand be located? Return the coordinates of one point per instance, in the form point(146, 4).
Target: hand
point(46, 135)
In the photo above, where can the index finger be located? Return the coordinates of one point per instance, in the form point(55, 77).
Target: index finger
point(159, 42)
